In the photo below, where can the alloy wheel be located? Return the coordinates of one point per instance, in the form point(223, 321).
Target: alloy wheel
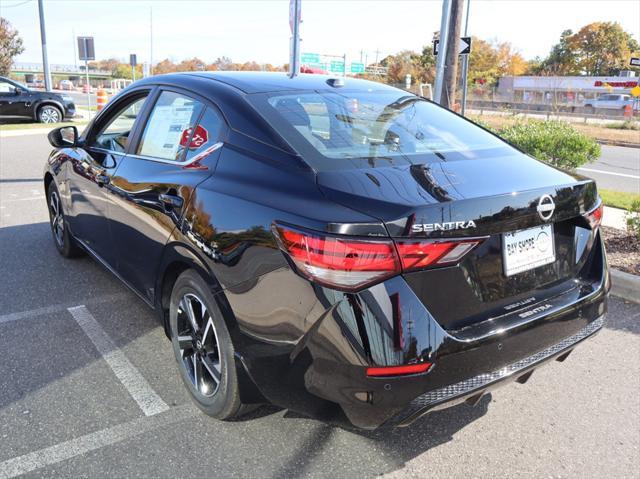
point(198, 343)
point(49, 115)
point(57, 218)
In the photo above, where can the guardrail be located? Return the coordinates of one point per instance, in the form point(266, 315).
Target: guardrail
point(57, 68)
point(551, 110)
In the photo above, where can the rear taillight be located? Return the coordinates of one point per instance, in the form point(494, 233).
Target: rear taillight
point(594, 217)
point(350, 264)
point(422, 254)
point(339, 262)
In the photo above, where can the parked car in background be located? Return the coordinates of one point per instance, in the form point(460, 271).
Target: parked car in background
point(613, 101)
point(66, 85)
point(39, 84)
point(18, 101)
point(337, 247)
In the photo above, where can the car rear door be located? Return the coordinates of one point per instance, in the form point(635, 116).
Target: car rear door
point(91, 168)
point(177, 149)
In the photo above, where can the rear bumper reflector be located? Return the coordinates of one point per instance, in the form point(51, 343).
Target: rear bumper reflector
point(404, 370)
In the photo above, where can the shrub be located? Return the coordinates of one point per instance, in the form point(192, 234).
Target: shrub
point(554, 142)
point(633, 218)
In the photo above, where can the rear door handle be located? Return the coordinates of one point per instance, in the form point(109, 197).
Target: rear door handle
point(172, 201)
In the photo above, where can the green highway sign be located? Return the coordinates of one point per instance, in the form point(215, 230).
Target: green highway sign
point(357, 67)
point(336, 66)
point(310, 58)
point(320, 66)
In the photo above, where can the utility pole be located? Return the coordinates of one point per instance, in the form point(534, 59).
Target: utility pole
point(451, 54)
point(440, 62)
point(45, 57)
point(465, 64)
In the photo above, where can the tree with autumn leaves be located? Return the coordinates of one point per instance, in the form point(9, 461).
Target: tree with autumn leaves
point(600, 48)
point(597, 49)
point(10, 46)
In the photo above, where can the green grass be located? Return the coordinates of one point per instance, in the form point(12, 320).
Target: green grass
point(624, 125)
point(618, 199)
point(36, 126)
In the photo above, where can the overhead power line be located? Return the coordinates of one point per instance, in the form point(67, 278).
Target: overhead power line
point(17, 4)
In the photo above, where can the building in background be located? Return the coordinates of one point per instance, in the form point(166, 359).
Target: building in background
point(566, 90)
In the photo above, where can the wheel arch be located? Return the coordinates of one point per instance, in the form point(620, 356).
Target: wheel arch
point(43, 103)
point(48, 178)
point(176, 259)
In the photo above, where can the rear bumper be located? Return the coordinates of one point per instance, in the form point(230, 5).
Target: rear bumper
point(471, 390)
point(315, 363)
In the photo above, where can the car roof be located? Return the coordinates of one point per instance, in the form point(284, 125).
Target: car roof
point(263, 82)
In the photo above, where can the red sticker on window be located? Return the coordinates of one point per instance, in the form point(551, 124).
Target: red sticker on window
point(200, 137)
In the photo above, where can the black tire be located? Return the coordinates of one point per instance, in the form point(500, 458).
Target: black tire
point(62, 239)
point(49, 114)
point(221, 400)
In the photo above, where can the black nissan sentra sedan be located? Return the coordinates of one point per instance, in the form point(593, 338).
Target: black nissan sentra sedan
point(337, 247)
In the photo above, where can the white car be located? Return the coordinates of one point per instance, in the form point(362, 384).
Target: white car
point(614, 101)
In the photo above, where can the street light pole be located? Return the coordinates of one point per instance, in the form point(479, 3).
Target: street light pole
point(75, 51)
point(442, 50)
point(294, 23)
point(150, 40)
point(45, 58)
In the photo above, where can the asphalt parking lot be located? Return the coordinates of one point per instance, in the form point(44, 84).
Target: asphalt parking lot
point(88, 387)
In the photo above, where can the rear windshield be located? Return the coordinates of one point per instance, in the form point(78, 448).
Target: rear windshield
point(344, 129)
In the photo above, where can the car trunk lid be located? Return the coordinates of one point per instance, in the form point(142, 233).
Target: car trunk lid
point(481, 198)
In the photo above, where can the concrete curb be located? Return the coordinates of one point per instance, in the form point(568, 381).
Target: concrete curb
point(615, 218)
point(619, 143)
point(625, 285)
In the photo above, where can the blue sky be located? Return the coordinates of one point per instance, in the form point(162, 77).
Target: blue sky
point(259, 30)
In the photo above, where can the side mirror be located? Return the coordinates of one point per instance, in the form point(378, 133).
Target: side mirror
point(65, 136)
point(18, 91)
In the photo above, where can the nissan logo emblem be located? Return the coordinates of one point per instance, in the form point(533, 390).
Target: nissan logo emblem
point(546, 207)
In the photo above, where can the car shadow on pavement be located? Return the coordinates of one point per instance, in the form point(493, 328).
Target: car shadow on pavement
point(396, 445)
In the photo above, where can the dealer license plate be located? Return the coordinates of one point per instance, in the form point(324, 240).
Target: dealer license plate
point(527, 249)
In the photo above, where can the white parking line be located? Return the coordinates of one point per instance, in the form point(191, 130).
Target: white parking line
point(34, 313)
point(30, 198)
point(129, 376)
point(609, 173)
point(90, 442)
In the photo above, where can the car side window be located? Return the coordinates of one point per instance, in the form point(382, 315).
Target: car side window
point(170, 127)
point(114, 136)
point(6, 87)
point(207, 133)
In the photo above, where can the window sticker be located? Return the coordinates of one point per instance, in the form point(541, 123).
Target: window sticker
point(163, 138)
